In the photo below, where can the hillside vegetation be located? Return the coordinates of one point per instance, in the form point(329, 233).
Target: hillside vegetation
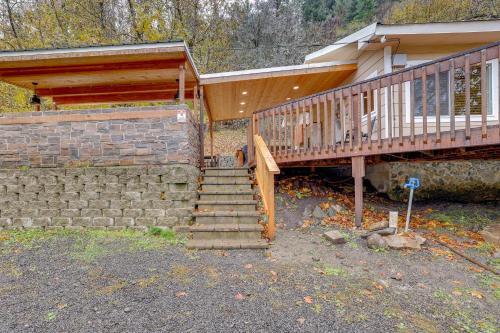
point(222, 34)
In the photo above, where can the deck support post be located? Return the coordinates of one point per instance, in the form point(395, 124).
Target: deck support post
point(358, 172)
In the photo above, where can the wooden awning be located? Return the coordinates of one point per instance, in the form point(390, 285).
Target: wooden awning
point(104, 74)
point(236, 95)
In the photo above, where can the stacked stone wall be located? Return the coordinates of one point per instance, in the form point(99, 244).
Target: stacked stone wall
point(103, 197)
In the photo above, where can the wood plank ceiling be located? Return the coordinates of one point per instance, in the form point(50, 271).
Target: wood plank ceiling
point(236, 97)
point(102, 75)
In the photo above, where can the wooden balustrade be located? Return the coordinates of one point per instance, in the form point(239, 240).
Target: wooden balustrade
point(265, 169)
point(447, 103)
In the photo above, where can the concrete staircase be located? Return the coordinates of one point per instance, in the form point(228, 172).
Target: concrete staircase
point(227, 216)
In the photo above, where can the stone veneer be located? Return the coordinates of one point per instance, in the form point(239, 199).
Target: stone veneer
point(101, 137)
point(107, 168)
point(460, 180)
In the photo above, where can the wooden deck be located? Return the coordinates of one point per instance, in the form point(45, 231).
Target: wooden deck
point(390, 114)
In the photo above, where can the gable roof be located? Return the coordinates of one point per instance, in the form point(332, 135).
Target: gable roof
point(464, 32)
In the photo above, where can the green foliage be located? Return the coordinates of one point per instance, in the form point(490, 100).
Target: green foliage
point(168, 234)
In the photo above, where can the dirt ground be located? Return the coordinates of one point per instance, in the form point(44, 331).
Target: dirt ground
point(68, 281)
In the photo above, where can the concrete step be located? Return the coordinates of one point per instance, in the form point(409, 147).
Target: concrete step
point(226, 195)
point(234, 205)
point(226, 187)
point(227, 235)
point(226, 172)
point(219, 244)
point(224, 217)
point(223, 180)
point(227, 227)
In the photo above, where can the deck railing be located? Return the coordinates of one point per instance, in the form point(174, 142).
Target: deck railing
point(265, 169)
point(447, 103)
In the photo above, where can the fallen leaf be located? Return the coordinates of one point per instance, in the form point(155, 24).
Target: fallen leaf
point(456, 293)
point(248, 266)
point(61, 306)
point(476, 294)
point(239, 297)
point(378, 286)
point(308, 299)
point(475, 269)
point(301, 321)
point(180, 294)
point(457, 282)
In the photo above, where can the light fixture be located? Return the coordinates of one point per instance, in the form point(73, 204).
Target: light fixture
point(288, 98)
point(35, 99)
point(243, 103)
point(241, 111)
point(244, 93)
point(296, 88)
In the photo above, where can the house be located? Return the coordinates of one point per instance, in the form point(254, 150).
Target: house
point(368, 98)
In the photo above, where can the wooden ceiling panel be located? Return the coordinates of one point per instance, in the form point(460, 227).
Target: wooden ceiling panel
point(224, 99)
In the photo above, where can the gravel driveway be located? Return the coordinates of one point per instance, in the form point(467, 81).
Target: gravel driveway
point(97, 281)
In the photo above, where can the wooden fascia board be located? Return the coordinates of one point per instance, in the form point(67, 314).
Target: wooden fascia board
point(279, 73)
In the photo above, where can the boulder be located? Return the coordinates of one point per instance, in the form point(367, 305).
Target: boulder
point(318, 213)
point(491, 234)
point(331, 212)
point(307, 212)
point(382, 232)
point(335, 237)
point(375, 241)
point(404, 242)
point(378, 225)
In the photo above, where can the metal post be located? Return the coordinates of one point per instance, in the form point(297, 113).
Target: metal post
point(413, 184)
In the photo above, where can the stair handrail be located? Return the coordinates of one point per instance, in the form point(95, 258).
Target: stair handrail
point(265, 169)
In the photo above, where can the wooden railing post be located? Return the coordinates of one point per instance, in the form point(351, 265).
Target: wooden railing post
point(265, 169)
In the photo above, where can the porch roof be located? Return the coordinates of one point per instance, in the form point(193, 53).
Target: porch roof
point(102, 74)
point(236, 95)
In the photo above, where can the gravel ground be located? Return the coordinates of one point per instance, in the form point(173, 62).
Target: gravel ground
point(60, 281)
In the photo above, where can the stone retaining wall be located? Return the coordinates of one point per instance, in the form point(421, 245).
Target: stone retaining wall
point(104, 197)
point(101, 137)
point(461, 180)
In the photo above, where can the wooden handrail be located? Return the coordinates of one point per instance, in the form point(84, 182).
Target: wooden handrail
point(265, 169)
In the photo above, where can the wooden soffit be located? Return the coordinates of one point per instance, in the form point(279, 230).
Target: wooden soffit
point(236, 95)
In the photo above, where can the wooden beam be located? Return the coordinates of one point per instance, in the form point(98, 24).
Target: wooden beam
point(182, 84)
point(358, 172)
point(137, 65)
point(201, 134)
point(118, 98)
point(116, 89)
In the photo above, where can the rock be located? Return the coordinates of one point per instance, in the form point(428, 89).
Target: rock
point(331, 212)
point(375, 241)
point(379, 225)
point(316, 259)
point(318, 213)
point(127, 310)
point(403, 242)
point(335, 237)
point(339, 255)
point(382, 232)
point(307, 212)
point(491, 234)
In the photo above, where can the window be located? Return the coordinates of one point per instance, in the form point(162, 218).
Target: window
point(444, 95)
point(459, 93)
point(475, 90)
